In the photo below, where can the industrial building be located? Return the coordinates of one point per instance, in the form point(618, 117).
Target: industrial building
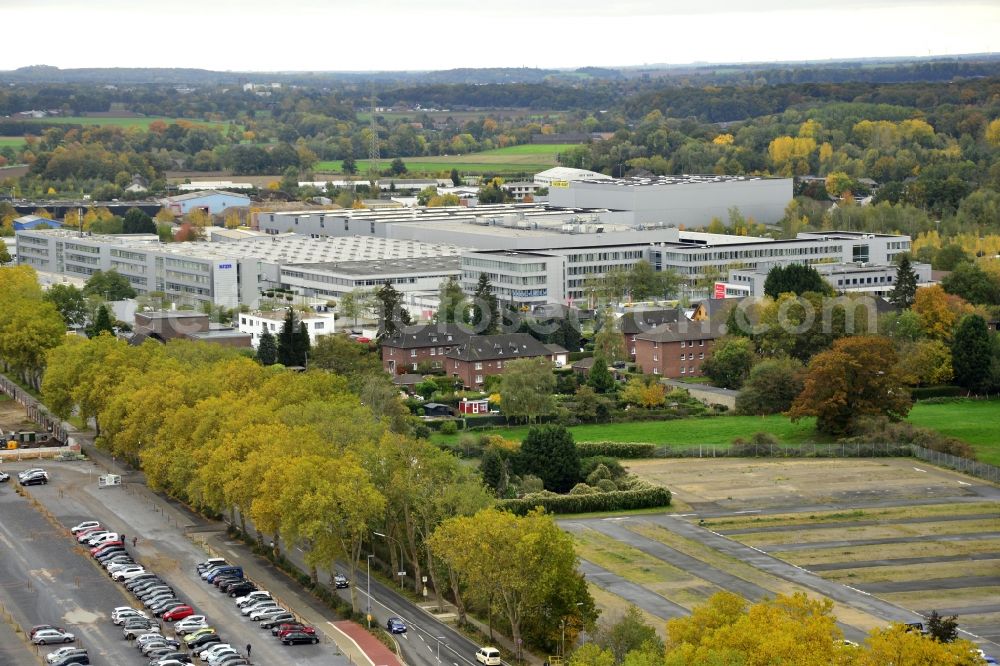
point(255, 323)
point(212, 202)
point(688, 202)
point(876, 279)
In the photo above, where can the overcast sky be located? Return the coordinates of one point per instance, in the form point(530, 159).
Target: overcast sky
point(283, 35)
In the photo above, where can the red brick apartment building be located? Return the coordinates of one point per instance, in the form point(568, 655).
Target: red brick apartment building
point(402, 352)
point(483, 355)
point(644, 321)
point(676, 350)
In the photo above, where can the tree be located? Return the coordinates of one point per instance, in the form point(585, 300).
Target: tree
point(267, 348)
point(771, 387)
point(796, 279)
point(302, 343)
point(629, 633)
point(600, 378)
point(644, 282)
point(898, 645)
point(526, 388)
point(950, 256)
point(905, 290)
point(290, 351)
point(925, 362)
point(644, 391)
point(972, 354)
point(549, 453)
point(110, 285)
point(451, 303)
point(485, 314)
point(137, 222)
point(973, 284)
point(70, 302)
point(5, 257)
point(942, 629)
point(495, 470)
point(493, 192)
point(526, 565)
point(609, 340)
point(349, 165)
point(343, 356)
point(390, 311)
point(456, 180)
point(397, 167)
point(101, 324)
point(938, 311)
point(730, 362)
point(353, 304)
point(857, 377)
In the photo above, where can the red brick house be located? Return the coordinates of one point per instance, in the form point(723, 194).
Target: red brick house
point(643, 321)
point(483, 355)
point(402, 352)
point(676, 350)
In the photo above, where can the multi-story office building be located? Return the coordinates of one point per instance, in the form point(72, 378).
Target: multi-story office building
point(874, 279)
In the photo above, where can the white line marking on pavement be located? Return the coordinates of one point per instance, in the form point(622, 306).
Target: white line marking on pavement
point(963, 483)
point(920, 470)
point(752, 510)
point(420, 636)
point(430, 649)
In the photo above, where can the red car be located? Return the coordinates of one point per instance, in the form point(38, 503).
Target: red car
point(96, 550)
point(287, 629)
point(178, 613)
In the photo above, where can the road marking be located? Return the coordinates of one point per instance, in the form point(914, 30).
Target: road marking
point(752, 510)
point(920, 470)
point(430, 649)
point(963, 483)
point(420, 636)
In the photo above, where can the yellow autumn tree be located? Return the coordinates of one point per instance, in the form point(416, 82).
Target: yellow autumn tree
point(993, 133)
point(790, 155)
point(938, 311)
point(232, 219)
point(723, 140)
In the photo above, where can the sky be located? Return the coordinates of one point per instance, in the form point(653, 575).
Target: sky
point(365, 35)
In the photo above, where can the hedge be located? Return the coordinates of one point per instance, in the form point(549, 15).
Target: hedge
point(616, 449)
point(620, 500)
point(925, 392)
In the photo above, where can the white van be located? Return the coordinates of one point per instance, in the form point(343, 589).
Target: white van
point(489, 656)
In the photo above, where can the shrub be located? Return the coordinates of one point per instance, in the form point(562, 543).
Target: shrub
point(588, 465)
point(616, 449)
point(582, 489)
point(448, 428)
point(606, 486)
point(760, 444)
point(930, 392)
point(642, 497)
point(531, 484)
point(600, 473)
point(881, 430)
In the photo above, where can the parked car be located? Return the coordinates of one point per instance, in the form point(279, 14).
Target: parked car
point(260, 605)
point(133, 629)
point(256, 595)
point(207, 653)
point(165, 606)
point(34, 479)
point(85, 525)
point(233, 660)
point(39, 627)
point(210, 563)
point(48, 636)
point(204, 640)
point(178, 613)
point(395, 626)
point(29, 472)
point(277, 620)
point(489, 656)
point(122, 613)
point(73, 659)
point(190, 624)
point(149, 637)
point(297, 637)
point(266, 613)
point(4, 476)
point(241, 589)
point(340, 581)
point(59, 654)
point(291, 626)
point(171, 658)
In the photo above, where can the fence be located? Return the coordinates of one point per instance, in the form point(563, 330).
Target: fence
point(980, 470)
point(35, 411)
point(806, 450)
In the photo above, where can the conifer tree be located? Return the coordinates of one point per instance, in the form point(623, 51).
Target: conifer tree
point(267, 349)
point(905, 291)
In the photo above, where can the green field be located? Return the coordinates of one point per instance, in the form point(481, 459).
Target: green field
point(528, 158)
point(141, 122)
point(972, 421)
point(14, 142)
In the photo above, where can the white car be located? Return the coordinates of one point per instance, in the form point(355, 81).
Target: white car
point(85, 525)
point(253, 596)
point(219, 656)
point(489, 656)
point(53, 657)
point(258, 605)
point(128, 574)
point(121, 617)
point(215, 650)
point(189, 624)
point(142, 639)
point(267, 613)
point(47, 636)
point(29, 472)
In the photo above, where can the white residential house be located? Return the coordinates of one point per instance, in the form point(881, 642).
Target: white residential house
point(254, 323)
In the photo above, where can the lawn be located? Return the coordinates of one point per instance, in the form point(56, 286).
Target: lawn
point(527, 158)
point(972, 421)
point(15, 142)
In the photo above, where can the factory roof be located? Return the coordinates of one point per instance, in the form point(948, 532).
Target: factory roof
point(386, 266)
point(685, 179)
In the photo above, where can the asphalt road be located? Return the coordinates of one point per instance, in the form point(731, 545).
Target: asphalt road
point(858, 523)
point(73, 496)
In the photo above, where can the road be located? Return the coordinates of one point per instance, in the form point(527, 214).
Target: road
point(72, 496)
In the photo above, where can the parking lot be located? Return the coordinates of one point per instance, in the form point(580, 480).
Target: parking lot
point(50, 579)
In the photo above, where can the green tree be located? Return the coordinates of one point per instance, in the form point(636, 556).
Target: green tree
point(630, 632)
point(609, 340)
point(905, 289)
point(549, 453)
point(600, 378)
point(70, 302)
point(857, 377)
point(397, 167)
point(452, 303)
point(495, 470)
point(942, 629)
point(303, 344)
point(973, 284)
point(110, 285)
point(972, 354)
point(771, 387)
point(644, 282)
point(730, 362)
point(950, 256)
point(267, 348)
point(101, 324)
point(349, 166)
point(343, 356)
point(289, 352)
point(526, 388)
point(5, 257)
point(391, 313)
point(796, 279)
point(456, 180)
point(137, 222)
point(353, 304)
point(485, 312)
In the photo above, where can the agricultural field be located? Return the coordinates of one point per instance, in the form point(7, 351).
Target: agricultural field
point(883, 538)
point(14, 142)
point(971, 421)
point(528, 158)
point(142, 122)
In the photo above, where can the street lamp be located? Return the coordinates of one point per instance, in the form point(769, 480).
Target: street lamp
point(368, 582)
point(396, 541)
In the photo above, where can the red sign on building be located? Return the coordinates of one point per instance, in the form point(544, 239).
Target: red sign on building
point(720, 290)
